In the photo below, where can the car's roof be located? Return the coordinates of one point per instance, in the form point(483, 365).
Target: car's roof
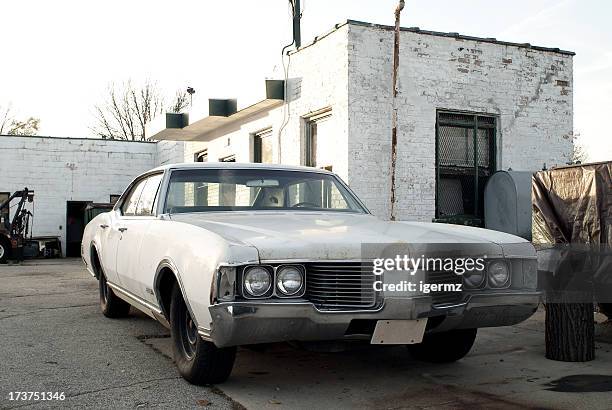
point(238, 165)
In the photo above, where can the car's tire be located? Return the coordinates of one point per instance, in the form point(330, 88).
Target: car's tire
point(5, 250)
point(198, 361)
point(444, 347)
point(111, 305)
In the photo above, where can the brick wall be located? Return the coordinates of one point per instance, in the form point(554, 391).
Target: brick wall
point(69, 169)
point(529, 90)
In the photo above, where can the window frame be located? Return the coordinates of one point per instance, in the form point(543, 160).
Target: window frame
point(155, 197)
point(201, 154)
point(228, 158)
point(258, 145)
point(309, 141)
point(155, 212)
point(473, 125)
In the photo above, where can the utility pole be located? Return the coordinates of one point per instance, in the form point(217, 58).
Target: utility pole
point(396, 49)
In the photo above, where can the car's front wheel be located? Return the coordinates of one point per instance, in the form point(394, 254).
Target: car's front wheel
point(444, 347)
point(198, 361)
point(111, 305)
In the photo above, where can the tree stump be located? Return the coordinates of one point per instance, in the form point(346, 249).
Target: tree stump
point(570, 332)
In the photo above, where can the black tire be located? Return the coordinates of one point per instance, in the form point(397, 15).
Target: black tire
point(111, 305)
point(444, 347)
point(5, 250)
point(198, 361)
point(606, 309)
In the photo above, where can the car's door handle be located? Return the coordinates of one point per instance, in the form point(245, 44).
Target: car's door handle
point(103, 226)
point(122, 229)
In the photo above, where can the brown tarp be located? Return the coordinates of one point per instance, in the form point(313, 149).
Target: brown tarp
point(573, 205)
point(572, 230)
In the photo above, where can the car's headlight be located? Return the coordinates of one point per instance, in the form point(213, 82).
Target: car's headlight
point(257, 281)
point(499, 274)
point(289, 280)
point(474, 279)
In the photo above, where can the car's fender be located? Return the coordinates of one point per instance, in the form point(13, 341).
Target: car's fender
point(193, 254)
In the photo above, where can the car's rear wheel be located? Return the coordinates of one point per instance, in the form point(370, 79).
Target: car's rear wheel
point(112, 306)
point(198, 361)
point(444, 347)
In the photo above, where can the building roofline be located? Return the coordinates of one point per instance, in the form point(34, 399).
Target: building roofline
point(437, 34)
point(239, 165)
point(76, 138)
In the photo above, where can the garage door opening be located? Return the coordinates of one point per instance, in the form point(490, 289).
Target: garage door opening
point(75, 225)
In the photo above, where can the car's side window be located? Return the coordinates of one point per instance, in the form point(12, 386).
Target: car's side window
point(149, 193)
point(131, 202)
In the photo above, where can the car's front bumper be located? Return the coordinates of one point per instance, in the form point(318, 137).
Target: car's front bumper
point(252, 322)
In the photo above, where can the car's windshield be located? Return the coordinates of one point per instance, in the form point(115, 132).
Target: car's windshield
point(208, 190)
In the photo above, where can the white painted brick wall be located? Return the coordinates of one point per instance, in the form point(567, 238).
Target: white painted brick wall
point(350, 71)
point(519, 85)
point(100, 168)
point(170, 152)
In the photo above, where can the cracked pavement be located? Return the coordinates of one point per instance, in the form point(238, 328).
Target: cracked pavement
point(55, 339)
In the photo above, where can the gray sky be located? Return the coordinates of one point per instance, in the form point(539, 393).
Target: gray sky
point(59, 56)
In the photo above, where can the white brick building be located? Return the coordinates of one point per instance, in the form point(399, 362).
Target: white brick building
point(340, 87)
point(513, 101)
point(66, 172)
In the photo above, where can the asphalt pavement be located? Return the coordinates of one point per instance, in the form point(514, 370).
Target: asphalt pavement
point(54, 339)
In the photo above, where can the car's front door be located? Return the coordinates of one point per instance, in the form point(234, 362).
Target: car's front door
point(108, 251)
point(133, 225)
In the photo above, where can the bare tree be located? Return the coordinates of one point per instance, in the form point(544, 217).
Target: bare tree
point(579, 154)
point(181, 101)
point(27, 127)
point(9, 125)
point(127, 110)
point(5, 118)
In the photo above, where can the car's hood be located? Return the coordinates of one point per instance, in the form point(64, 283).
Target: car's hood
point(333, 235)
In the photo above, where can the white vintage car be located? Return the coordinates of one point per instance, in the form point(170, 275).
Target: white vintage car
point(229, 254)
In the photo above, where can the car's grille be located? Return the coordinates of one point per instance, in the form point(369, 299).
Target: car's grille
point(441, 277)
point(340, 285)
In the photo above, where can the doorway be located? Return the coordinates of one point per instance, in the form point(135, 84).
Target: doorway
point(465, 159)
point(75, 225)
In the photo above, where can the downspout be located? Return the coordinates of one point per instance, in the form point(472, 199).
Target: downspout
point(297, 41)
point(396, 48)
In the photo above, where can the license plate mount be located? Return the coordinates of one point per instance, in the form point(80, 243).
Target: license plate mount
point(394, 332)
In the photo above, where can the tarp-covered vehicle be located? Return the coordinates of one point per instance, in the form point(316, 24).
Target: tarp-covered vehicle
point(572, 232)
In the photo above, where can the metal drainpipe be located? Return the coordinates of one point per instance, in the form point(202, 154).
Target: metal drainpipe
point(396, 48)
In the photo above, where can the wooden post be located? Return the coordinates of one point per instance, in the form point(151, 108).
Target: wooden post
point(570, 331)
